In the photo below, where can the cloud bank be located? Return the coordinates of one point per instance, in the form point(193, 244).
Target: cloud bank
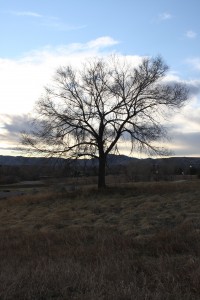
point(22, 82)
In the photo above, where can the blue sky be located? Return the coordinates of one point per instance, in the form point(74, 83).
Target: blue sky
point(37, 36)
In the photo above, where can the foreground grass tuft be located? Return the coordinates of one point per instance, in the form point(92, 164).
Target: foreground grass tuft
point(100, 264)
point(135, 242)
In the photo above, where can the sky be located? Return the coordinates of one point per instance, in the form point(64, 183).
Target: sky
point(38, 36)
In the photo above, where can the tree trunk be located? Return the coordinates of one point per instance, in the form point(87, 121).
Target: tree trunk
point(102, 173)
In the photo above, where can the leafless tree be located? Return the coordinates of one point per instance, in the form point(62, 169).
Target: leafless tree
point(86, 112)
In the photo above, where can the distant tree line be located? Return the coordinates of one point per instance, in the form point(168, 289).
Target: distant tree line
point(137, 170)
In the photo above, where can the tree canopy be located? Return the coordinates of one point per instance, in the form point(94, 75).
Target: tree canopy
point(86, 112)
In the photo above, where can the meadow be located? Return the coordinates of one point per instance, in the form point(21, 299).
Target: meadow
point(131, 241)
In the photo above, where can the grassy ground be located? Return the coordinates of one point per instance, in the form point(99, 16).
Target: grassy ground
point(139, 241)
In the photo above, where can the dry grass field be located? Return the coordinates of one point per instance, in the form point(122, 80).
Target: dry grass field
point(131, 241)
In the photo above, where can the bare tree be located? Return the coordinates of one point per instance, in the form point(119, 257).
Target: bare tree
point(88, 111)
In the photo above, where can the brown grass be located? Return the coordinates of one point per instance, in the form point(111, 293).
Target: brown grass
point(139, 241)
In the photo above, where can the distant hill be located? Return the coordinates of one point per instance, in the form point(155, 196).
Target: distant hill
point(21, 160)
point(113, 160)
point(28, 161)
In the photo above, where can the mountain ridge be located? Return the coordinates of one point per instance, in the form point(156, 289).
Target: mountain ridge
point(112, 160)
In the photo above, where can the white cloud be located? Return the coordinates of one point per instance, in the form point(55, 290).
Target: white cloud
point(188, 119)
point(102, 42)
point(26, 14)
point(191, 34)
point(165, 16)
point(22, 80)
